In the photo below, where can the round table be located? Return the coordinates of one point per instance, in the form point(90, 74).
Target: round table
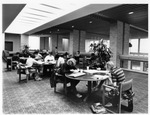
point(89, 76)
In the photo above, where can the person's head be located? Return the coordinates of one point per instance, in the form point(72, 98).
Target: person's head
point(109, 65)
point(71, 62)
point(35, 53)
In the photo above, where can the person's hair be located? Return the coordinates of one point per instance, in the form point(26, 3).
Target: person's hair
point(36, 52)
point(71, 60)
point(51, 53)
point(110, 63)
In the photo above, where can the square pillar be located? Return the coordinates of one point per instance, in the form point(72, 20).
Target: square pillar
point(82, 41)
point(24, 40)
point(74, 42)
point(116, 41)
point(44, 43)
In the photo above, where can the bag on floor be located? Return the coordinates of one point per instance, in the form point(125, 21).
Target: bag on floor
point(98, 108)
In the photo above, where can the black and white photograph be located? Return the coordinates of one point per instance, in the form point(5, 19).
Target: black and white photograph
point(74, 57)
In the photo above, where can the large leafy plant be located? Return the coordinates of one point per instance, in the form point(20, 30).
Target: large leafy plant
point(102, 53)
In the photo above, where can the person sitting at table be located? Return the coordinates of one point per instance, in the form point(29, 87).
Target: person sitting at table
point(77, 56)
point(29, 65)
point(71, 64)
point(61, 60)
point(116, 74)
point(15, 59)
point(50, 59)
point(38, 56)
point(25, 51)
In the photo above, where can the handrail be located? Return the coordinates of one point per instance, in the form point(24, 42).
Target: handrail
point(131, 58)
point(135, 58)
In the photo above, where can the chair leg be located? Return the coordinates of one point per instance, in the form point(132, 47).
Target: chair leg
point(27, 77)
point(103, 96)
point(19, 77)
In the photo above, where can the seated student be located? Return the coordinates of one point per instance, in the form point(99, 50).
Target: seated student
point(61, 60)
point(38, 56)
point(116, 74)
point(50, 58)
point(77, 56)
point(30, 63)
point(15, 59)
point(70, 64)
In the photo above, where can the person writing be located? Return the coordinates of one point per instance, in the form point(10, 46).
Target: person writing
point(50, 58)
point(29, 64)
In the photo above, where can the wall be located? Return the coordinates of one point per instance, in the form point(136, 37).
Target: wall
point(15, 38)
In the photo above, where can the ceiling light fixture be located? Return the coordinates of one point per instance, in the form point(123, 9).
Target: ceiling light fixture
point(72, 26)
point(90, 22)
point(130, 12)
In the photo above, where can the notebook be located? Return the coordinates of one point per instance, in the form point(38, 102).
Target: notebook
point(77, 74)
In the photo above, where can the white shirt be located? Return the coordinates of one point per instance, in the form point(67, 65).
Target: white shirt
point(60, 61)
point(30, 61)
point(49, 59)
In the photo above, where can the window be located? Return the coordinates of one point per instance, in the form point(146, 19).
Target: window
point(65, 44)
point(144, 45)
point(9, 46)
point(134, 47)
point(34, 42)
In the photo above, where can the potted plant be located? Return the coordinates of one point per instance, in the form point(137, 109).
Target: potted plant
point(102, 55)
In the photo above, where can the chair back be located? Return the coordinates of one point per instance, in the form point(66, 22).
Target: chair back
point(127, 85)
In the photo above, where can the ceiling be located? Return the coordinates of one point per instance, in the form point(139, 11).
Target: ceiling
point(99, 22)
point(94, 18)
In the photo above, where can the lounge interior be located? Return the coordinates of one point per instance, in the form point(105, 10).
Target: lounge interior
point(122, 27)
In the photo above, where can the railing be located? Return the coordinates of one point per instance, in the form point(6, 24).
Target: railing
point(134, 63)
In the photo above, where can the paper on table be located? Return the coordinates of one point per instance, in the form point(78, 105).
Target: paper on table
point(100, 77)
point(95, 71)
point(77, 74)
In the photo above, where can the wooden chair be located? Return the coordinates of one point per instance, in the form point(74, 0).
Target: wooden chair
point(21, 69)
point(59, 78)
point(124, 93)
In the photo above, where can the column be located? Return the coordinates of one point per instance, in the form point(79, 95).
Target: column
point(24, 40)
point(82, 41)
point(126, 44)
point(74, 42)
point(116, 41)
point(54, 41)
point(44, 43)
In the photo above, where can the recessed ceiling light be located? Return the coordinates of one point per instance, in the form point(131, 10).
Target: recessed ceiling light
point(130, 12)
point(90, 22)
point(58, 30)
point(72, 26)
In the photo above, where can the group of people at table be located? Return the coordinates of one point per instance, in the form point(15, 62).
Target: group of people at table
point(63, 65)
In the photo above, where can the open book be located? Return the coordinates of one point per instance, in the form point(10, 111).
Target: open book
point(77, 74)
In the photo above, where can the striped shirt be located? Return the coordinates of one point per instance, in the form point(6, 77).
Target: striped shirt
point(117, 75)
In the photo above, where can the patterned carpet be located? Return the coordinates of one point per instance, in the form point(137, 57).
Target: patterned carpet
point(37, 97)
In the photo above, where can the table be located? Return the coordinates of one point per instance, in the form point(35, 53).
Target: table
point(89, 76)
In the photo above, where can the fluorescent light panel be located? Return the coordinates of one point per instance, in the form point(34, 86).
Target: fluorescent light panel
point(41, 13)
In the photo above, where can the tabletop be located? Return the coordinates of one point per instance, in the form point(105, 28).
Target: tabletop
point(88, 75)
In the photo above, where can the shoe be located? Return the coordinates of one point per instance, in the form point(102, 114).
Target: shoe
point(78, 95)
point(108, 104)
point(38, 79)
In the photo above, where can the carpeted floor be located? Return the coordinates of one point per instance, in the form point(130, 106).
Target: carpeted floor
point(39, 98)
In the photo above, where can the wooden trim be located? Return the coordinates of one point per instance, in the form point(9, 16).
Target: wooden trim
point(135, 58)
point(135, 71)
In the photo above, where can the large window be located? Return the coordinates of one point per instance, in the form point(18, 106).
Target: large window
point(144, 43)
point(134, 47)
point(34, 42)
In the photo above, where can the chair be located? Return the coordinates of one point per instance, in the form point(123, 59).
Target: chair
point(21, 69)
point(59, 78)
point(124, 91)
